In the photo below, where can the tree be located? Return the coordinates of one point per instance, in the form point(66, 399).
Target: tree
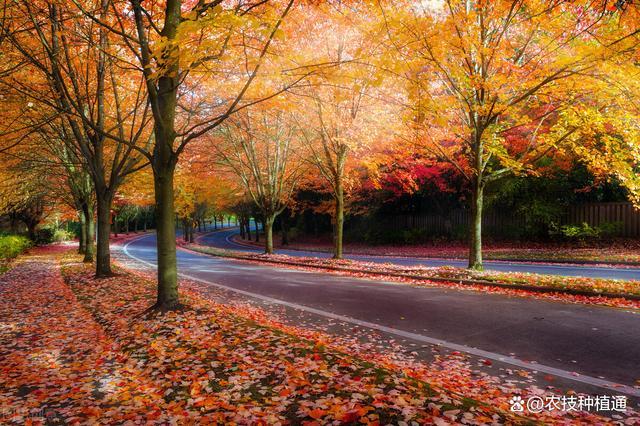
point(505, 69)
point(77, 191)
point(161, 42)
point(342, 110)
point(24, 192)
point(101, 107)
point(259, 147)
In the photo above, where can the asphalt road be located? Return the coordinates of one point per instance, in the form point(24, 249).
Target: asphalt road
point(592, 345)
point(223, 240)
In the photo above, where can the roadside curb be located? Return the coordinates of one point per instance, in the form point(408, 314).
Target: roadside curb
point(467, 282)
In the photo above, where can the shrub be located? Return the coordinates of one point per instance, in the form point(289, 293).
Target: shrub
point(52, 235)
point(580, 232)
point(585, 232)
point(611, 229)
point(414, 236)
point(60, 235)
point(44, 236)
point(12, 245)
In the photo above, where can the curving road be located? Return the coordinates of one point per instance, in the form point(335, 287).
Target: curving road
point(223, 240)
point(588, 346)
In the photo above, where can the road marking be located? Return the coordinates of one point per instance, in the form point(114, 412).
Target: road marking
point(593, 381)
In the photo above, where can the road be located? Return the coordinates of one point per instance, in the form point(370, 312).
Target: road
point(590, 345)
point(223, 240)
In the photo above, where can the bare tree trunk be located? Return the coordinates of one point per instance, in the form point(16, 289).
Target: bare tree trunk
point(166, 233)
point(475, 240)
point(103, 256)
point(257, 230)
point(82, 243)
point(90, 251)
point(339, 220)
point(89, 232)
point(31, 231)
point(185, 231)
point(268, 233)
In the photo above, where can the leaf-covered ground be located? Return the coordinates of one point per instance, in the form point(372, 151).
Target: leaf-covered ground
point(78, 350)
point(81, 348)
point(616, 252)
point(452, 277)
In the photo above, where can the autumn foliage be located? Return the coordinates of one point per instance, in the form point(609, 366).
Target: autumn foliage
point(190, 108)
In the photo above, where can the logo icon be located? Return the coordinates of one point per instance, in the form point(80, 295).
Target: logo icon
point(516, 404)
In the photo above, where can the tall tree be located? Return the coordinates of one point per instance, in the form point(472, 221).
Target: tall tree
point(259, 147)
point(505, 68)
point(341, 110)
point(163, 43)
point(102, 107)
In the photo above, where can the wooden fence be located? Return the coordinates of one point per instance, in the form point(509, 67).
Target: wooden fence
point(596, 214)
point(509, 223)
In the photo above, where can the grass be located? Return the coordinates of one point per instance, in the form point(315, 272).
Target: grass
point(10, 247)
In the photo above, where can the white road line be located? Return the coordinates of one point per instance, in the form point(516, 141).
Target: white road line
point(593, 381)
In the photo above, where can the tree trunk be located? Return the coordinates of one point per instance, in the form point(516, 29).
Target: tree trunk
point(89, 252)
point(185, 231)
point(166, 233)
point(103, 256)
point(475, 240)
point(82, 244)
point(31, 230)
point(268, 233)
point(339, 221)
point(242, 229)
point(257, 230)
point(192, 229)
point(215, 223)
point(126, 225)
point(248, 227)
point(89, 232)
point(477, 183)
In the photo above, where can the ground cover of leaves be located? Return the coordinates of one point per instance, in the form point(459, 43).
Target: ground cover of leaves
point(453, 276)
point(78, 350)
